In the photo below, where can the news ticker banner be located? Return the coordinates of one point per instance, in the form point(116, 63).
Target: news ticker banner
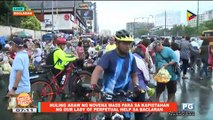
point(107, 107)
point(22, 104)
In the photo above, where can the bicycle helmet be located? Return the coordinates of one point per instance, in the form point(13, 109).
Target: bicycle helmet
point(124, 36)
point(61, 41)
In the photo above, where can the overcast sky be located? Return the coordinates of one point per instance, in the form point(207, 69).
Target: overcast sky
point(114, 15)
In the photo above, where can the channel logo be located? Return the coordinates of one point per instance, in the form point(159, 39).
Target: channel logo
point(20, 11)
point(188, 106)
point(22, 104)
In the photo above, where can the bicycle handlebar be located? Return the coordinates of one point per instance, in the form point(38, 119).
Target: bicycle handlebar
point(48, 68)
point(118, 94)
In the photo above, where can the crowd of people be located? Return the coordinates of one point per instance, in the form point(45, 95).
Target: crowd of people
point(123, 64)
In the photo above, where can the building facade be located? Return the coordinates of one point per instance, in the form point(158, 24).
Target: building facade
point(59, 15)
point(168, 19)
point(208, 15)
point(105, 33)
point(132, 27)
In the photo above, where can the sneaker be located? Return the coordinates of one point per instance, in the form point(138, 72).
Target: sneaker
point(151, 92)
point(208, 76)
point(201, 78)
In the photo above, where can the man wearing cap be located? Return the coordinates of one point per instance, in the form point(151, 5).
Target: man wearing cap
point(19, 77)
point(165, 57)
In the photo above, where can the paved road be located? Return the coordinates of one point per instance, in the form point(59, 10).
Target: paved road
point(191, 90)
point(195, 91)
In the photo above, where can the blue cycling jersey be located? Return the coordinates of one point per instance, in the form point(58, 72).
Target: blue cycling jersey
point(117, 71)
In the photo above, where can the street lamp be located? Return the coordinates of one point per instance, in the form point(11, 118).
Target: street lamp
point(149, 17)
point(197, 16)
point(52, 18)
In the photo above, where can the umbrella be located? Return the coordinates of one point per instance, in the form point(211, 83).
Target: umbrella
point(23, 34)
point(47, 37)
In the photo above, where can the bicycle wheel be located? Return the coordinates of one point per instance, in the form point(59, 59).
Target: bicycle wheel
point(85, 78)
point(82, 82)
point(79, 86)
point(78, 116)
point(41, 91)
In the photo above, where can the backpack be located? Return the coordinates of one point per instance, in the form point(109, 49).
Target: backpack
point(176, 66)
point(194, 50)
point(49, 59)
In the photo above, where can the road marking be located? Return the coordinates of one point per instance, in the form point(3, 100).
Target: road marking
point(198, 84)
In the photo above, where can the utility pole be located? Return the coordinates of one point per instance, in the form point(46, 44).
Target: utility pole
point(95, 18)
point(197, 17)
point(165, 25)
point(42, 7)
point(134, 28)
point(97, 27)
point(52, 18)
point(75, 19)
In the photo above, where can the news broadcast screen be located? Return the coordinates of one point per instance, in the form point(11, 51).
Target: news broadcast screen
point(106, 60)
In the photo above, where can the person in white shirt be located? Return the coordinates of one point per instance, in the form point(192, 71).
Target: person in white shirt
point(92, 51)
point(37, 54)
point(176, 48)
point(194, 55)
point(68, 48)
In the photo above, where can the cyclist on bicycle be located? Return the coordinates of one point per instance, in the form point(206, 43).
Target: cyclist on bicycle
point(119, 67)
point(60, 58)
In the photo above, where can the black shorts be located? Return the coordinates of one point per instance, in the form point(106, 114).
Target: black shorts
point(171, 87)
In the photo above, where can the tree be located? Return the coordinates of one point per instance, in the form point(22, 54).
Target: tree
point(202, 27)
point(167, 32)
point(142, 31)
point(181, 30)
point(159, 32)
point(6, 17)
point(189, 31)
point(31, 23)
point(177, 30)
point(209, 24)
